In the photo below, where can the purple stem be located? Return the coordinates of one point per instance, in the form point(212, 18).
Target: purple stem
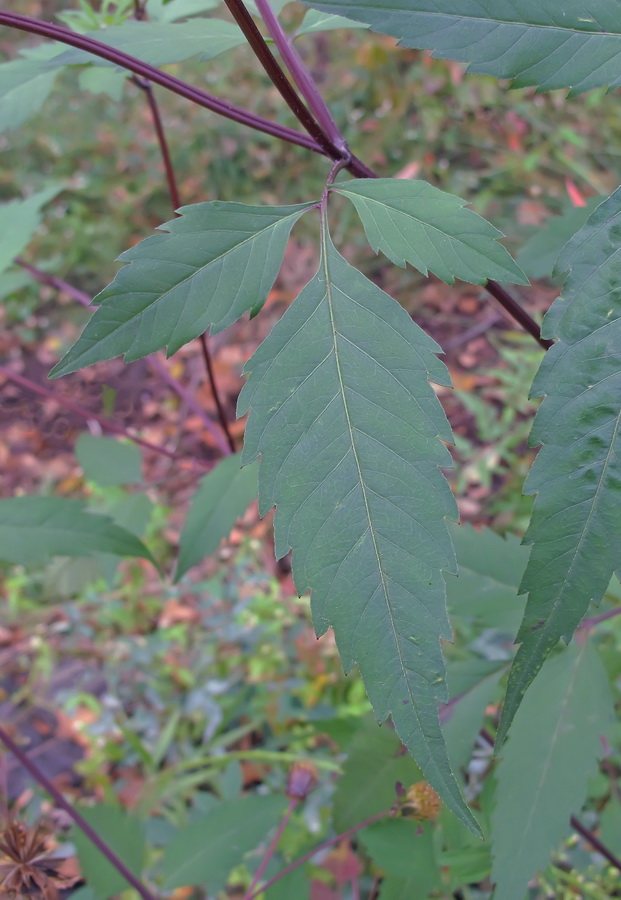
point(293, 803)
point(171, 179)
point(176, 85)
point(88, 414)
point(82, 824)
point(603, 617)
point(302, 77)
point(595, 842)
point(152, 361)
point(329, 843)
point(216, 394)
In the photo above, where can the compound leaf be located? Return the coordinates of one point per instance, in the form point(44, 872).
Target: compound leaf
point(348, 428)
point(159, 43)
point(572, 44)
point(575, 529)
point(414, 222)
point(223, 496)
point(35, 528)
point(216, 261)
point(19, 220)
point(547, 763)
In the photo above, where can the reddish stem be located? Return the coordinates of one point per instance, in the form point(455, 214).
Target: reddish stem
point(82, 824)
point(87, 414)
point(171, 178)
point(329, 843)
point(603, 617)
point(595, 842)
point(176, 85)
point(216, 395)
point(293, 802)
point(152, 361)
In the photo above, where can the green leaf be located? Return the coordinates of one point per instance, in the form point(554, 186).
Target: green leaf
point(375, 764)
point(575, 529)
point(206, 851)
point(158, 11)
point(103, 81)
point(216, 261)
point(414, 222)
point(485, 590)
point(551, 754)
point(315, 21)
point(19, 220)
point(223, 496)
point(124, 834)
point(549, 44)
point(107, 461)
point(348, 426)
point(404, 850)
point(34, 528)
point(159, 43)
point(538, 256)
point(277, 7)
point(25, 85)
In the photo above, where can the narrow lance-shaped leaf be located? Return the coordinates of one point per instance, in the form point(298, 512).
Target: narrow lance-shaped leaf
point(216, 261)
point(546, 766)
point(348, 428)
point(414, 222)
point(576, 524)
point(159, 43)
point(551, 44)
point(35, 528)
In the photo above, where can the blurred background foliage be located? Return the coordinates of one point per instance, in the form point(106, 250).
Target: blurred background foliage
point(162, 695)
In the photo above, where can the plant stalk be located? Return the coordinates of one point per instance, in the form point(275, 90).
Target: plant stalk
point(157, 76)
point(302, 77)
point(595, 842)
point(216, 394)
point(293, 803)
point(158, 125)
point(87, 414)
point(329, 843)
point(81, 822)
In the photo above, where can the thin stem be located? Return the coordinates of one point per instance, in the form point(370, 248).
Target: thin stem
point(157, 76)
point(171, 179)
point(302, 77)
point(54, 282)
point(293, 803)
point(88, 414)
point(595, 842)
point(214, 390)
point(516, 312)
point(82, 824)
point(329, 843)
point(603, 617)
point(278, 77)
point(152, 361)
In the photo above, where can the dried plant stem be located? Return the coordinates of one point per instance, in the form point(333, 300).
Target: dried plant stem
point(82, 824)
